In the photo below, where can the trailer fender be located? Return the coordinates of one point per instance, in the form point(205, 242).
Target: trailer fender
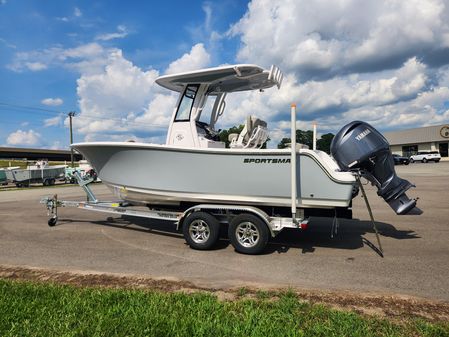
point(234, 209)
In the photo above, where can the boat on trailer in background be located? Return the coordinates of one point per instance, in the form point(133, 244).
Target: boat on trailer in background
point(196, 181)
point(39, 172)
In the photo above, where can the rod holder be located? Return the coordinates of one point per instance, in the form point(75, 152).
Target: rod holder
point(293, 160)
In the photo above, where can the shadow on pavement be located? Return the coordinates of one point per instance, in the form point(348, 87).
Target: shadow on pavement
point(350, 233)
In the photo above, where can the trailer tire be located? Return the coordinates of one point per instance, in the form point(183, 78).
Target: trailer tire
point(248, 234)
point(201, 230)
point(52, 221)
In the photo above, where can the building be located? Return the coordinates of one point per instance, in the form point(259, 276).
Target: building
point(35, 154)
point(428, 138)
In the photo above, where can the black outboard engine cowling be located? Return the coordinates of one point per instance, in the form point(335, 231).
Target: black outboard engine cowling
point(360, 147)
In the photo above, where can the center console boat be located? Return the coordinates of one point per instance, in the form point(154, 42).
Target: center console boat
point(194, 167)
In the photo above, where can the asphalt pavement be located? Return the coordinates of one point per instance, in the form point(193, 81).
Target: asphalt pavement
point(415, 262)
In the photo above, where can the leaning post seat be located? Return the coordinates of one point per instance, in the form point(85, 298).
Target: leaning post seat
point(253, 135)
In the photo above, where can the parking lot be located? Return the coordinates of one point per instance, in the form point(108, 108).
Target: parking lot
point(415, 262)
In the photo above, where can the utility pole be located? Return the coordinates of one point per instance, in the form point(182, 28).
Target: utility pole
point(71, 114)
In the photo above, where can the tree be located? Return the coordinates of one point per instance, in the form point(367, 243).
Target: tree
point(283, 143)
point(324, 143)
point(224, 134)
point(306, 138)
point(302, 137)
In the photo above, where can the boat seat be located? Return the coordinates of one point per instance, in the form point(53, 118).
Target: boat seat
point(253, 135)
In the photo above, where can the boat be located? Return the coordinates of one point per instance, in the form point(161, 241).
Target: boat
point(6, 174)
point(194, 166)
point(199, 182)
point(3, 179)
point(85, 170)
point(39, 172)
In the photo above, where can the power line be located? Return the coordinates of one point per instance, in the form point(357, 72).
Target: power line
point(16, 107)
point(29, 107)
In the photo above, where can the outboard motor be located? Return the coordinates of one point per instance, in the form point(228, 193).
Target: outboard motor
point(360, 147)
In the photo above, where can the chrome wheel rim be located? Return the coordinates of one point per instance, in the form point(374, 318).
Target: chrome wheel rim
point(199, 231)
point(247, 234)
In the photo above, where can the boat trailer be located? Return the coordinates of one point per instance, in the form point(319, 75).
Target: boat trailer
point(249, 226)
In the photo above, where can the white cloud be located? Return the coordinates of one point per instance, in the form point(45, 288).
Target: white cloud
point(77, 12)
point(122, 32)
point(28, 138)
point(120, 99)
point(90, 57)
point(197, 58)
point(381, 63)
point(342, 63)
point(110, 100)
point(54, 121)
point(35, 66)
point(159, 110)
point(52, 101)
point(348, 91)
point(322, 39)
point(76, 15)
point(333, 96)
point(57, 145)
point(7, 44)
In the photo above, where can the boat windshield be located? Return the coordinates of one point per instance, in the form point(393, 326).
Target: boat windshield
point(183, 113)
point(207, 111)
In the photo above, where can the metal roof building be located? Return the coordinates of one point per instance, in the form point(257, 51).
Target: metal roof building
point(34, 154)
point(428, 138)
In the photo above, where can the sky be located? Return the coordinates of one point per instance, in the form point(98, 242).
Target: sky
point(385, 62)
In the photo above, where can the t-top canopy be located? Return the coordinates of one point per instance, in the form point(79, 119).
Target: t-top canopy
point(231, 78)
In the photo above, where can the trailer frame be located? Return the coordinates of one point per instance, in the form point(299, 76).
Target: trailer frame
point(223, 213)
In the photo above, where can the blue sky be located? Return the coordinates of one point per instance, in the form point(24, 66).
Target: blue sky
point(386, 63)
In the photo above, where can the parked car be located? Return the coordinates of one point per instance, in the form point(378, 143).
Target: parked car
point(426, 156)
point(399, 160)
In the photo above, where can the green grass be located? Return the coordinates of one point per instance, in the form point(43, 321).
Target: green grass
point(37, 309)
point(25, 163)
point(8, 163)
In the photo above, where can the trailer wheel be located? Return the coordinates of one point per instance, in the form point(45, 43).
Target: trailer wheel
point(52, 181)
point(201, 230)
point(248, 234)
point(52, 221)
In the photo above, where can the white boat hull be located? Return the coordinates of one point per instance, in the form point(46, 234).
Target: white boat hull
point(158, 174)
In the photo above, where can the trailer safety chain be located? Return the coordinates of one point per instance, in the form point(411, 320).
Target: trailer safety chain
point(364, 196)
